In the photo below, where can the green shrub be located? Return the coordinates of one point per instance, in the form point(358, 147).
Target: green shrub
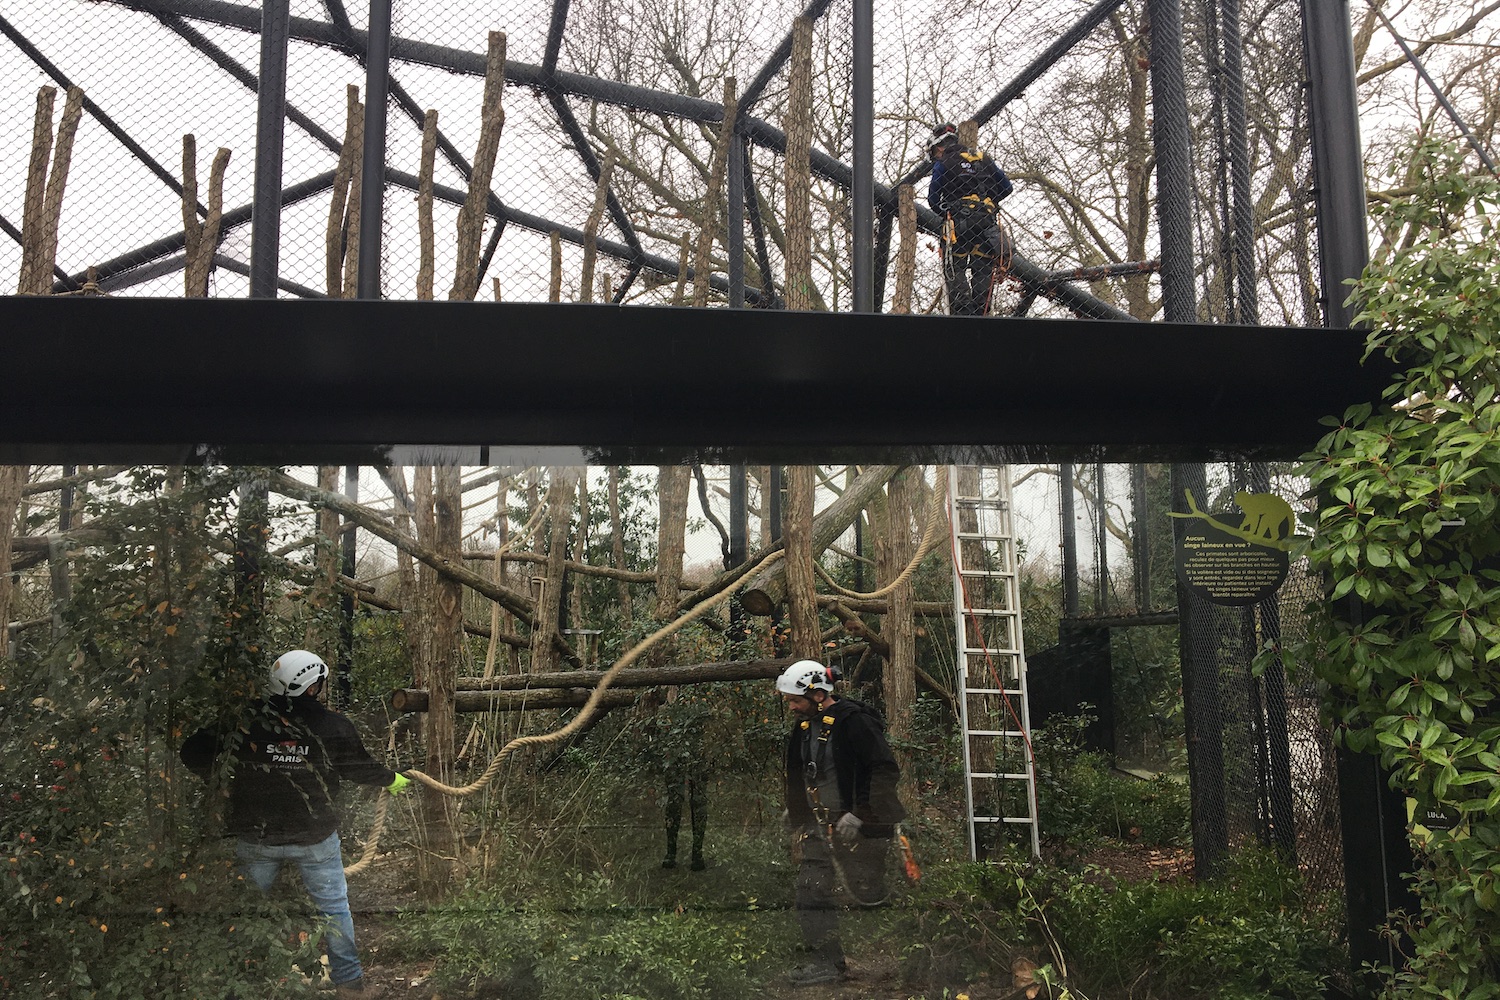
point(1081, 797)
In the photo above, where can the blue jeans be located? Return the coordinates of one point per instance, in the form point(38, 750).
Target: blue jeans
point(322, 868)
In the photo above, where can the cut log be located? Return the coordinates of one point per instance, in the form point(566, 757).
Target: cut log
point(694, 673)
point(415, 700)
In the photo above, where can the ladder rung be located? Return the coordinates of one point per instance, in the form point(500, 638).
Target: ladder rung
point(1004, 819)
point(1015, 691)
point(990, 612)
point(983, 536)
point(997, 651)
point(994, 732)
point(1016, 776)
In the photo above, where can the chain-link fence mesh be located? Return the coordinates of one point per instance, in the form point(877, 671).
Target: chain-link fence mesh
point(1097, 554)
point(1065, 109)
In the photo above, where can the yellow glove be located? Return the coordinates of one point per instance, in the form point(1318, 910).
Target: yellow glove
point(399, 785)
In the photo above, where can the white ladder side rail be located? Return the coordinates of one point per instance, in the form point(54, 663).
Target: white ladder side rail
point(1008, 702)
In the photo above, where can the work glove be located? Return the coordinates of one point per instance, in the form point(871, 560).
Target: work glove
point(847, 828)
point(399, 785)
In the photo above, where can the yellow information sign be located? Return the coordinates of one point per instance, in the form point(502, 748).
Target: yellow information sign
point(1235, 561)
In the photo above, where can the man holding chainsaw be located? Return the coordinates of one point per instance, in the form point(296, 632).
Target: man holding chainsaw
point(841, 806)
point(287, 766)
point(965, 191)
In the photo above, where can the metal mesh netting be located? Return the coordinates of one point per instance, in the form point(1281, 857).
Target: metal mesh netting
point(1064, 109)
point(1263, 762)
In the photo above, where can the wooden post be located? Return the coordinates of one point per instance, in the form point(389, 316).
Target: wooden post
point(201, 239)
point(549, 602)
point(899, 682)
point(12, 481)
point(554, 287)
point(703, 260)
point(765, 591)
point(801, 581)
point(673, 485)
point(906, 256)
point(335, 238)
point(591, 228)
point(798, 169)
point(42, 211)
point(426, 268)
point(617, 541)
point(472, 215)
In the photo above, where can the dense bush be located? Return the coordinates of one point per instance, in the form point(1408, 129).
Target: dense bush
point(1243, 937)
point(1082, 798)
point(1407, 526)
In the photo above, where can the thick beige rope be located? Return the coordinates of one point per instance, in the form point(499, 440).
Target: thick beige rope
point(937, 515)
point(382, 806)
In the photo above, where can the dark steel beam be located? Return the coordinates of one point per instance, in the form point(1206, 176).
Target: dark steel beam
point(632, 387)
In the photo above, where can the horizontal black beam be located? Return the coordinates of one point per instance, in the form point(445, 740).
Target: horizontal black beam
point(298, 381)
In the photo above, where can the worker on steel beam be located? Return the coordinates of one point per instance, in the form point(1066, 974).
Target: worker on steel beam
point(965, 191)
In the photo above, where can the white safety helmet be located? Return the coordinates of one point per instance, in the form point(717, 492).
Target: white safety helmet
point(805, 675)
point(296, 671)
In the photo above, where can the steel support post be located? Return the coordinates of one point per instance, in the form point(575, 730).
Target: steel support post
point(265, 215)
point(1338, 163)
point(372, 193)
point(862, 195)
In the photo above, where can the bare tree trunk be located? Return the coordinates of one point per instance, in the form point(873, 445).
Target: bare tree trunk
point(345, 194)
point(906, 256)
point(617, 541)
point(899, 626)
point(575, 599)
point(549, 602)
point(444, 617)
point(426, 235)
point(674, 483)
point(471, 217)
point(768, 531)
point(591, 228)
point(801, 581)
point(42, 210)
point(201, 239)
point(418, 619)
point(703, 261)
point(12, 480)
point(326, 556)
point(799, 128)
point(554, 287)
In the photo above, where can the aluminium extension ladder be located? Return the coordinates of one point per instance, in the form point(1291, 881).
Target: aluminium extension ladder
point(999, 776)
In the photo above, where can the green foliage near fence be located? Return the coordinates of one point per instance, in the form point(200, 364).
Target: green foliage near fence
point(1407, 526)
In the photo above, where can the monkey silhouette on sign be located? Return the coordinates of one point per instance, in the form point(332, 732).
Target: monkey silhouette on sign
point(1266, 515)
